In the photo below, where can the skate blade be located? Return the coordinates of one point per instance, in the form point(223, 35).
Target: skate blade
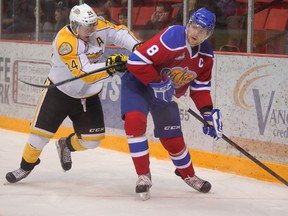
point(144, 196)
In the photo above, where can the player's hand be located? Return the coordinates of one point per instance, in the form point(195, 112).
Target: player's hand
point(214, 126)
point(164, 90)
point(118, 59)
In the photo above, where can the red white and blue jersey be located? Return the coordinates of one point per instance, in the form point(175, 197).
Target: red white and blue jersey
point(170, 52)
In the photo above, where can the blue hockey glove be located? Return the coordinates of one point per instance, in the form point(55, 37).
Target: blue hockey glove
point(214, 126)
point(164, 90)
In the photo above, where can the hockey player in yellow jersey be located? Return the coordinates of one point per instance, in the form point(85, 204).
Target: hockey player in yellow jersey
point(77, 49)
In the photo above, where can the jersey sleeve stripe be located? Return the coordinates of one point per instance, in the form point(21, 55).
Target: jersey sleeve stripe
point(136, 62)
point(200, 88)
point(197, 85)
point(137, 56)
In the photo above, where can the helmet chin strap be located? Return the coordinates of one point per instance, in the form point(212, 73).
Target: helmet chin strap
point(75, 32)
point(205, 39)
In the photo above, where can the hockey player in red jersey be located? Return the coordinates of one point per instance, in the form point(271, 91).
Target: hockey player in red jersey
point(176, 59)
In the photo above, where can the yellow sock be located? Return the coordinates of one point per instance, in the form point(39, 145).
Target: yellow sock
point(76, 144)
point(30, 154)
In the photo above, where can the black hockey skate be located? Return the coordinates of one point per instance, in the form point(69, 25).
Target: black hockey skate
point(19, 174)
point(143, 186)
point(196, 183)
point(64, 154)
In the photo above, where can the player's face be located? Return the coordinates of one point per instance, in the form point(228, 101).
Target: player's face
point(196, 34)
point(84, 32)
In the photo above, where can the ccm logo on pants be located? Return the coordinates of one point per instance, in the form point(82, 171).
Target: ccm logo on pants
point(96, 130)
point(172, 127)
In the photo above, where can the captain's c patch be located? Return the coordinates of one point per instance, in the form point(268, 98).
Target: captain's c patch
point(65, 48)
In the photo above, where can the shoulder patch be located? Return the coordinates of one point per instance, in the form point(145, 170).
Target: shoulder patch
point(65, 48)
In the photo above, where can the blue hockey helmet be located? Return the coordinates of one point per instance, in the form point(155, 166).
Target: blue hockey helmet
point(205, 18)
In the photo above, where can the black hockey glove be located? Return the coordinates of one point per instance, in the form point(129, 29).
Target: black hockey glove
point(119, 59)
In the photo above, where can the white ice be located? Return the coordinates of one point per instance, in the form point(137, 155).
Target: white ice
point(102, 182)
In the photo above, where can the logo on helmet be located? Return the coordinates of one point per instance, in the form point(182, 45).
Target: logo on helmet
point(90, 13)
point(77, 11)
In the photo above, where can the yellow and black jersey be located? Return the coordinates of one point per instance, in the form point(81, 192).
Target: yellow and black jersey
point(72, 57)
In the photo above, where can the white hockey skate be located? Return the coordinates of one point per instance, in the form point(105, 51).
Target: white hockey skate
point(196, 183)
point(143, 186)
point(64, 154)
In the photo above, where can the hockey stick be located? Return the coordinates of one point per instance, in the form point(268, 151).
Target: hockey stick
point(259, 163)
point(72, 79)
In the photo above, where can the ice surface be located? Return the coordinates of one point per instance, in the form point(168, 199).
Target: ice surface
point(102, 182)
